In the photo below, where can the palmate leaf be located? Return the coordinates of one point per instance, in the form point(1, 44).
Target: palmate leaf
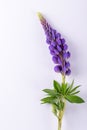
point(62, 91)
point(57, 86)
point(74, 99)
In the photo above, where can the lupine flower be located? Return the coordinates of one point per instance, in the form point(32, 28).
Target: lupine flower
point(58, 48)
point(63, 91)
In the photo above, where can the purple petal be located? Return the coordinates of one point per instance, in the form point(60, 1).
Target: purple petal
point(65, 47)
point(47, 32)
point(63, 40)
point(55, 59)
point(58, 68)
point(68, 72)
point(58, 35)
point(56, 51)
point(68, 54)
point(51, 47)
point(48, 41)
point(53, 53)
point(50, 29)
point(53, 43)
point(67, 64)
point(58, 41)
point(64, 69)
point(59, 61)
point(64, 55)
point(53, 34)
point(59, 48)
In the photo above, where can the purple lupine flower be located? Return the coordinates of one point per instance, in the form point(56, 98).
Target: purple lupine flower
point(58, 48)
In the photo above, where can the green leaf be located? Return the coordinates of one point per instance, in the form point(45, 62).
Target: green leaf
point(56, 86)
point(74, 93)
point(74, 99)
point(70, 87)
point(60, 105)
point(50, 92)
point(50, 100)
point(64, 87)
point(73, 90)
point(54, 109)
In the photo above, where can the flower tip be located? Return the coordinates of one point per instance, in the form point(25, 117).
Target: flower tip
point(39, 15)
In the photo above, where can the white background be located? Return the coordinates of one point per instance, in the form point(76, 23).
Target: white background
point(26, 66)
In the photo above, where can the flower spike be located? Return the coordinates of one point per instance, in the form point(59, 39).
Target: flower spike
point(57, 46)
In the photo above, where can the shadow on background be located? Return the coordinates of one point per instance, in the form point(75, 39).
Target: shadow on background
point(76, 116)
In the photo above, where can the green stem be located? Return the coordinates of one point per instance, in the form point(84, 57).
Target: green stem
point(63, 79)
point(59, 120)
point(59, 124)
point(60, 116)
point(61, 112)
